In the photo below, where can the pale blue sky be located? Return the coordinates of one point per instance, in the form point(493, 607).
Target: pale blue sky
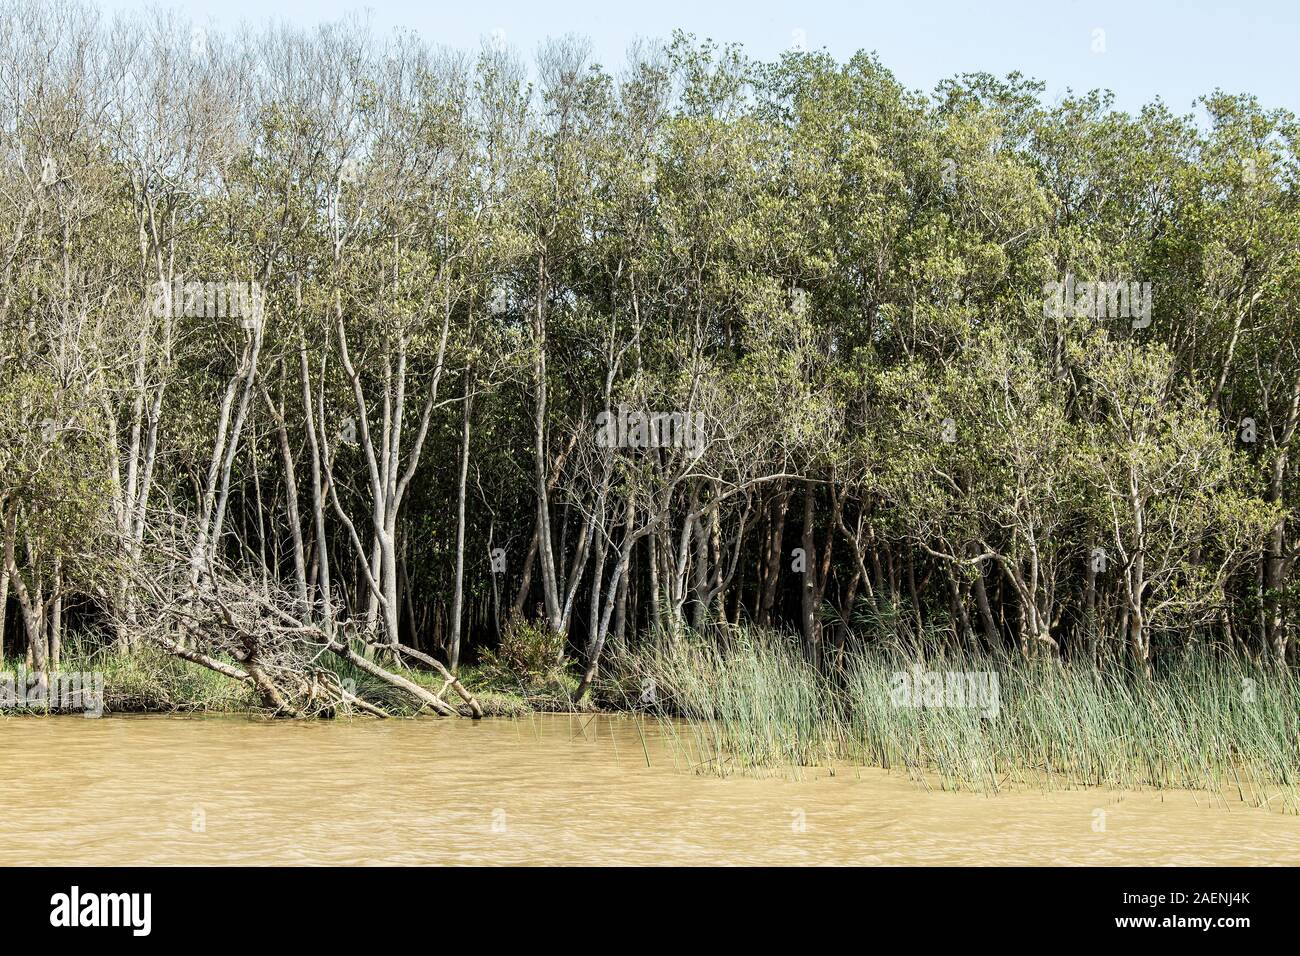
point(1169, 49)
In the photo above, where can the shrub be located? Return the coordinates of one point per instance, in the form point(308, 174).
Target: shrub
point(528, 655)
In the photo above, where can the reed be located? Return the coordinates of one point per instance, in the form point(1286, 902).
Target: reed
point(751, 702)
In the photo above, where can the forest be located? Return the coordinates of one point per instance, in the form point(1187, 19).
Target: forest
point(321, 345)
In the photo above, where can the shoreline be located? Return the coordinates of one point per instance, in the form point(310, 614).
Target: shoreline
point(755, 707)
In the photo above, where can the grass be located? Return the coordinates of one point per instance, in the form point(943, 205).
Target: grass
point(150, 681)
point(752, 703)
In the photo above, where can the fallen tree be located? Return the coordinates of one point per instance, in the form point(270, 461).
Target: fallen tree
point(261, 635)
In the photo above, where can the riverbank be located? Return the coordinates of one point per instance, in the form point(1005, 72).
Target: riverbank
point(153, 682)
point(748, 702)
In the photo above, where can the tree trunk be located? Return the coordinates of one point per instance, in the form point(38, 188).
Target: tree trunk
point(772, 576)
point(811, 637)
point(457, 601)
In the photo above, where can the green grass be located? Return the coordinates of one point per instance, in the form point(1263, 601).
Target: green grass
point(752, 703)
point(151, 681)
point(503, 693)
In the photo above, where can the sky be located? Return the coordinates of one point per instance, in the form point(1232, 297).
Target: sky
point(1171, 50)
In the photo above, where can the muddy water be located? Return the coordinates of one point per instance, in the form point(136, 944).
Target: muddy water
point(543, 790)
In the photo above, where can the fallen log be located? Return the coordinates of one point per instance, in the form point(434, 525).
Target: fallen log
point(274, 650)
point(360, 703)
point(272, 696)
point(476, 710)
point(424, 696)
point(194, 657)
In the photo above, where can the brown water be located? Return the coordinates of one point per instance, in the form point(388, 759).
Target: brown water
point(543, 790)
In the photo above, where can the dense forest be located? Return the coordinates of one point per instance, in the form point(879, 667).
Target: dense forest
point(372, 340)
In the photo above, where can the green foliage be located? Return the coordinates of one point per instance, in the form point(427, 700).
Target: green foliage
point(528, 657)
point(843, 279)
